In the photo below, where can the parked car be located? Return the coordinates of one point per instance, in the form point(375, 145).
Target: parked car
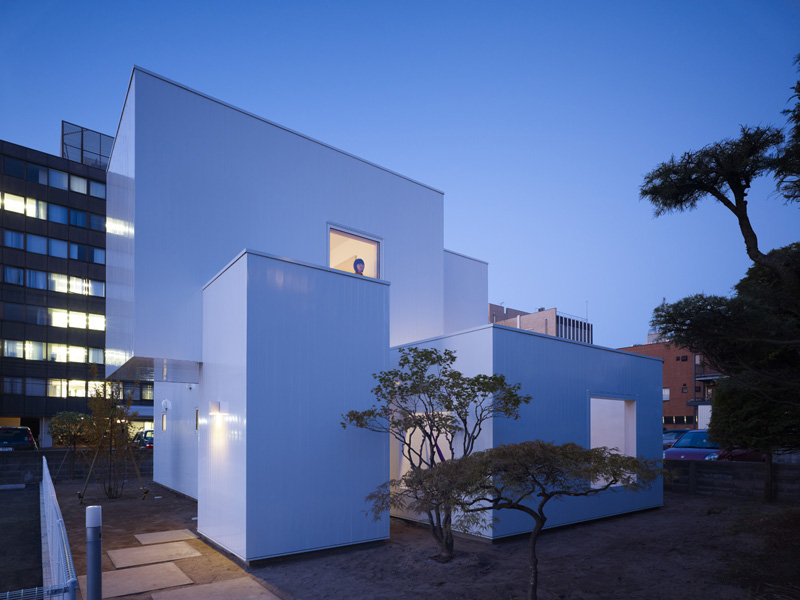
point(144, 439)
point(671, 436)
point(16, 438)
point(693, 445)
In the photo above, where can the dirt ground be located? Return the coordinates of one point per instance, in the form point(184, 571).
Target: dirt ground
point(694, 547)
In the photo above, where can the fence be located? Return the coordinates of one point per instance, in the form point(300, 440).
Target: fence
point(58, 571)
point(724, 478)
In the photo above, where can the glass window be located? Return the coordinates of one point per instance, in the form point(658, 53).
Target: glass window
point(77, 218)
point(37, 244)
point(77, 388)
point(35, 387)
point(78, 285)
point(34, 350)
point(36, 315)
point(14, 312)
point(77, 184)
point(77, 251)
point(59, 214)
point(147, 391)
point(354, 254)
point(14, 239)
point(57, 388)
point(77, 354)
point(77, 319)
point(58, 179)
point(96, 389)
point(665, 394)
point(97, 322)
point(96, 356)
point(14, 275)
point(58, 317)
point(131, 391)
point(14, 167)
point(97, 222)
point(98, 256)
point(14, 203)
point(59, 248)
point(12, 385)
point(58, 283)
point(97, 189)
point(57, 352)
point(97, 288)
point(37, 174)
point(37, 279)
point(13, 349)
point(35, 208)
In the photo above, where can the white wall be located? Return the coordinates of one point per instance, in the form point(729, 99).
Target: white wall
point(210, 180)
point(278, 474)
point(466, 291)
point(175, 448)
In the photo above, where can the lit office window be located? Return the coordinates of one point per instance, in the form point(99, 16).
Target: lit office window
point(78, 285)
point(57, 388)
point(77, 319)
point(97, 322)
point(77, 354)
point(35, 208)
point(76, 388)
point(354, 254)
point(35, 350)
point(13, 349)
point(58, 317)
point(14, 203)
point(59, 283)
point(57, 352)
point(97, 288)
point(96, 389)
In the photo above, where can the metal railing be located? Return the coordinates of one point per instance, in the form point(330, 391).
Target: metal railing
point(58, 570)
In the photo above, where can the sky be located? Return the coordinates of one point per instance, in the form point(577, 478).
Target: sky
point(538, 120)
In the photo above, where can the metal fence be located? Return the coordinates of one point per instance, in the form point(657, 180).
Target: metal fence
point(58, 571)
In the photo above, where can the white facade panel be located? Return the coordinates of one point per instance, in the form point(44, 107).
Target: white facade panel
point(211, 180)
point(466, 292)
point(222, 453)
point(175, 436)
point(292, 480)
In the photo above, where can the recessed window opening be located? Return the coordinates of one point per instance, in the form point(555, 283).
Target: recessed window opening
point(354, 254)
point(613, 424)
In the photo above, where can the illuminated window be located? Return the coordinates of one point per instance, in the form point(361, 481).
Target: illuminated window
point(14, 203)
point(58, 317)
point(163, 421)
point(97, 288)
point(97, 322)
point(77, 354)
point(57, 388)
point(96, 389)
point(77, 388)
point(77, 319)
point(665, 394)
point(58, 282)
point(35, 208)
point(57, 352)
point(77, 285)
point(354, 254)
point(13, 349)
point(34, 350)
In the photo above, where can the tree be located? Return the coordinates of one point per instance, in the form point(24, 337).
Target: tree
point(435, 413)
point(109, 435)
point(525, 477)
point(68, 429)
point(725, 171)
point(741, 419)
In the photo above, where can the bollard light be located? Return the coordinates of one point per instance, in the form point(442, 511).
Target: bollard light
point(94, 553)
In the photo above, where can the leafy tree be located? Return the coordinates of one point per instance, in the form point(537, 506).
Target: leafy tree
point(788, 168)
point(741, 419)
point(435, 413)
point(68, 428)
point(109, 435)
point(526, 477)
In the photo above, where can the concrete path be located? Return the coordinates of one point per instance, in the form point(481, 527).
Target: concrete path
point(165, 536)
point(242, 588)
point(145, 555)
point(137, 580)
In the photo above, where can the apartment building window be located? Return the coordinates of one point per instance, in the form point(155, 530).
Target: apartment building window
point(353, 253)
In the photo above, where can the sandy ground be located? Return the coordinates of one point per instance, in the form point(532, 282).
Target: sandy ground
point(694, 547)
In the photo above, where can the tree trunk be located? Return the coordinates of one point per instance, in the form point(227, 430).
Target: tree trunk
point(533, 574)
point(769, 479)
point(440, 529)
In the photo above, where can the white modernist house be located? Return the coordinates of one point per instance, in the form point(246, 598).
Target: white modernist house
point(260, 277)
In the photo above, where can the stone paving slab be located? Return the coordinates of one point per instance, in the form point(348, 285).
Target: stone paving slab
point(242, 588)
point(144, 555)
point(139, 579)
point(159, 537)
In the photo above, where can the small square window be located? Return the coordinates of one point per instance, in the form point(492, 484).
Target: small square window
point(77, 218)
point(59, 248)
point(58, 179)
point(354, 254)
point(14, 203)
point(97, 189)
point(37, 174)
point(77, 184)
point(14, 167)
point(684, 358)
point(59, 214)
point(37, 244)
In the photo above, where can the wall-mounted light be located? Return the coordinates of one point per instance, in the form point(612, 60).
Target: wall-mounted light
point(218, 407)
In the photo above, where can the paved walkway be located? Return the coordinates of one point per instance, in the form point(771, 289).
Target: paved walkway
point(152, 567)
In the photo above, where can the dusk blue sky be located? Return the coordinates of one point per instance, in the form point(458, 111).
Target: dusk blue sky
point(537, 119)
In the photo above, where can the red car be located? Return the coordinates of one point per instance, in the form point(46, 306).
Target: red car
point(695, 445)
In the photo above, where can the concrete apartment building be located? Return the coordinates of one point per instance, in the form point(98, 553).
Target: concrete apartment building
point(547, 321)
